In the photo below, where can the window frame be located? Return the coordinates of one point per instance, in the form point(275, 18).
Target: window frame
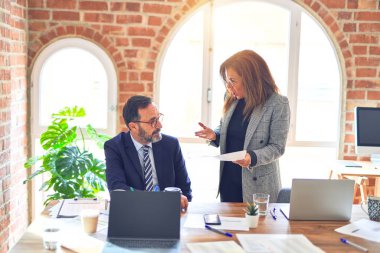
point(36, 129)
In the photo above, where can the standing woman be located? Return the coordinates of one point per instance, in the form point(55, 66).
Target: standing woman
point(256, 118)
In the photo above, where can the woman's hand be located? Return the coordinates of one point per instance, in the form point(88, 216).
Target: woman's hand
point(244, 163)
point(206, 133)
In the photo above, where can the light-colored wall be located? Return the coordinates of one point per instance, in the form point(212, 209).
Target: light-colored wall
point(134, 34)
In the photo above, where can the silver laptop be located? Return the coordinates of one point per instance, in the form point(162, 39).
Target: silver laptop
point(320, 199)
point(141, 221)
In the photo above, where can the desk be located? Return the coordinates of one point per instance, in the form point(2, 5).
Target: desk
point(321, 233)
point(368, 169)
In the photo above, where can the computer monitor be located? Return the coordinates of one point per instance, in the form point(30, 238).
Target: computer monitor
point(367, 125)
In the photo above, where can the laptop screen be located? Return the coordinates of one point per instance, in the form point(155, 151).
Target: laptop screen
point(141, 214)
point(321, 199)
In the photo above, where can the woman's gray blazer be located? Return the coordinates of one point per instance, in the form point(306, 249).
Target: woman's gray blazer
point(266, 135)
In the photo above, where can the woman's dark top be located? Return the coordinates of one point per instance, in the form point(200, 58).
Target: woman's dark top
point(230, 183)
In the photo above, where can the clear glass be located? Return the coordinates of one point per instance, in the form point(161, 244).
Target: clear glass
point(50, 237)
point(180, 94)
point(74, 77)
point(245, 25)
point(318, 86)
point(262, 201)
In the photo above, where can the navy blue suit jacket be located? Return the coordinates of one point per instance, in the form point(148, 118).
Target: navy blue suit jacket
point(123, 168)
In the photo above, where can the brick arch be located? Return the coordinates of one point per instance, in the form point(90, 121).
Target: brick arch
point(60, 32)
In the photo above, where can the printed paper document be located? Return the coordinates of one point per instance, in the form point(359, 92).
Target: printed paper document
point(279, 243)
point(363, 228)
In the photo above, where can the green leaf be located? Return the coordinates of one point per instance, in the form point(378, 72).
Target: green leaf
point(58, 136)
point(71, 163)
point(31, 161)
point(97, 137)
point(36, 173)
point(70, 113)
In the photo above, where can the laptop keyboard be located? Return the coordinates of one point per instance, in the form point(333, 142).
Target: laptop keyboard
point(164, 244)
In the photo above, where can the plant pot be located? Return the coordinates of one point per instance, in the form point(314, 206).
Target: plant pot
point(252, 221)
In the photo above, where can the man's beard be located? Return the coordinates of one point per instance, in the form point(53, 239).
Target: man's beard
point(155, 137)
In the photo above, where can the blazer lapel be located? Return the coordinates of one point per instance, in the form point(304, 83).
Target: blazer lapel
point(223, 130)
point(158, 162)
point(132, 154)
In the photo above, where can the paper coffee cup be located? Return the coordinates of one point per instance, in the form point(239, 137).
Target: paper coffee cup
point(89, 219)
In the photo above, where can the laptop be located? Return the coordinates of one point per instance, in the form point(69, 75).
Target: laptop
point(143, 221)
point(320, 199)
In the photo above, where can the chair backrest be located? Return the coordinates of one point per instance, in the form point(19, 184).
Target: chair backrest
point(284, 195)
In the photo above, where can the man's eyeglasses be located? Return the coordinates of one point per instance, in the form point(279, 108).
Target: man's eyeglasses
point(152, 122)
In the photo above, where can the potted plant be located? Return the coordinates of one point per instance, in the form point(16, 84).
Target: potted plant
point(251, 214)
point(73, 170)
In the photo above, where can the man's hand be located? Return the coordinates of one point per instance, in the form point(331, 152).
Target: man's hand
point(184, 203)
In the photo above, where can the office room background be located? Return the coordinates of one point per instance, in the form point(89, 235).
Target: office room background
point(324, 54)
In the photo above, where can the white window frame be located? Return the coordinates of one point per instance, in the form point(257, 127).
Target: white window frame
point(37, 129)
point(294, 47)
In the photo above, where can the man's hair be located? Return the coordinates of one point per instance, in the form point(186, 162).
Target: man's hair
point(132, 106)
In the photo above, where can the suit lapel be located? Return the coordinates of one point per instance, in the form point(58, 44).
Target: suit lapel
point(158, 161)
point(132, 154)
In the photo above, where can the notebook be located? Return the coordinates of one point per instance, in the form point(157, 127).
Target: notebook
point(144, 221)
point(320, 199)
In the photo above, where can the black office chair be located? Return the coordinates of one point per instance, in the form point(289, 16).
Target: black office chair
point(284, 195)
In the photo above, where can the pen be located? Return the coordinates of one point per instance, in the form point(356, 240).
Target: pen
point(156, 189)
point(353, 244)
point(273, 214)
point(218, 231)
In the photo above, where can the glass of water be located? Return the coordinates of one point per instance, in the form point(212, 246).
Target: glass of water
point(262, 201)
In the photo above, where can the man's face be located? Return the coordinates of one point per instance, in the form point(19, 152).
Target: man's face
point(149, 128)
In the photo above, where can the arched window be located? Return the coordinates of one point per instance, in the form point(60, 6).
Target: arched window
point(301, 58)
point(72, 72)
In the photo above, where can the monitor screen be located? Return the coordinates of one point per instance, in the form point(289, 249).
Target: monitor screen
point(367, 122)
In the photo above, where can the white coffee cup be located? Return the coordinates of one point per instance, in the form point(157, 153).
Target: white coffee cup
point(89, 219)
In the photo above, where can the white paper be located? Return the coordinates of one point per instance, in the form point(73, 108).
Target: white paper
point(234, 156)
point(363, 228)
point(228, 223)
point(276, 243)
point(215, 247)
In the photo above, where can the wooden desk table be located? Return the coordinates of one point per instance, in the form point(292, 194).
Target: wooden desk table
point(367, 169)
point(320, 233)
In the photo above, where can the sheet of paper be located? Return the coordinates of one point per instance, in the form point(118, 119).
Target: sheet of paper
point(71, 207)
point(279, 243)
point(363, 228)
point(228, 223)
point(215, 247)
point(234, 156)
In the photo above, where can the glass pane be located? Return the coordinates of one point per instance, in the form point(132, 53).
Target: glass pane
point(318, 85)
point(261, 27)
point(180, 94)
point(73, 76)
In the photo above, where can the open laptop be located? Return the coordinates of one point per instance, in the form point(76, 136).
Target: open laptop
point(320, 199)
point(142, 221)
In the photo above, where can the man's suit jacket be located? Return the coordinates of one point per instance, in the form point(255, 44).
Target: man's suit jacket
point(266, 135)
point(123, 168)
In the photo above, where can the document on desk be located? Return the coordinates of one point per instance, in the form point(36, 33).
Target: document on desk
point(82, 243)
point(279, 243)
point(363, 228)
point(72, 207)
point(228, 223)
point(215, 247)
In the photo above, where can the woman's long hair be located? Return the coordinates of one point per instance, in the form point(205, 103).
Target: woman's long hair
point(257, 80)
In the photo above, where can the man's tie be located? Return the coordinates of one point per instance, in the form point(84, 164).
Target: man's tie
point(148, 174)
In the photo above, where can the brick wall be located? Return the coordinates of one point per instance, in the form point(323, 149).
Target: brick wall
point(13, 123)
point(134, 34)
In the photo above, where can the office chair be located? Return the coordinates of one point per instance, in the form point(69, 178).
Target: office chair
point(284, 195)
